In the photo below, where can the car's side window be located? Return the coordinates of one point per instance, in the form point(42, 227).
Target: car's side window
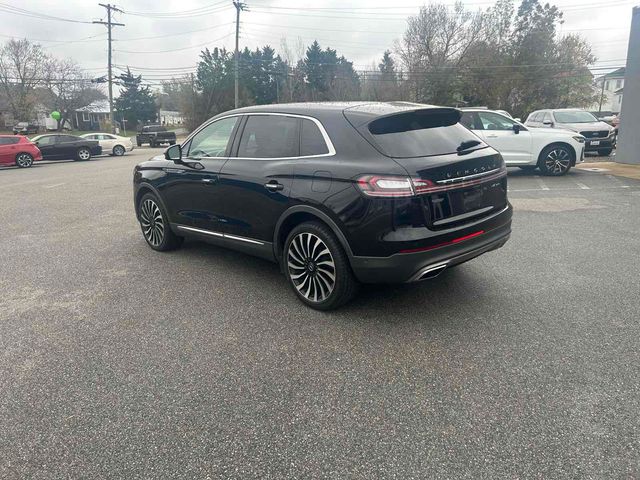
point(311, 140)
point(270, 136)
point(46, 141)
point(9, 140)
point(212, 140)
point(547, 117)
point(495, 121)
point(469, 120)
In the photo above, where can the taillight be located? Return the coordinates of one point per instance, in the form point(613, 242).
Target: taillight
point(380, 186)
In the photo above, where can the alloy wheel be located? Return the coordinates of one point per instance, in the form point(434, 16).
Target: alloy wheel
point(24, 160)
point(84, 154)
point(558, 161)
point(311, 267)
point(152, 223)
point(118, 150)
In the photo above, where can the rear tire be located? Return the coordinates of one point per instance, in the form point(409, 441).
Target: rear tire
point(118, 150)
point(83, 154)
point(556, 160)
point(24, 160)
point(155, 225)
point(317, 267)
point(605, 152)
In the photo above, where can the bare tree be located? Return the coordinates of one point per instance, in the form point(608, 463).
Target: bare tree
point(436, 43)
point(23, 67)
point(68, 88)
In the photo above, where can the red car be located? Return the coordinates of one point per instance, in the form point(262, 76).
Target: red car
point(18, 150)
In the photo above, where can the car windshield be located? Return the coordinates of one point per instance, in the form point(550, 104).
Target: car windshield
point(574, 117)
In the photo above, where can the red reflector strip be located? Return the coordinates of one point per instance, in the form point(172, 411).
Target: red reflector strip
point(450, 242)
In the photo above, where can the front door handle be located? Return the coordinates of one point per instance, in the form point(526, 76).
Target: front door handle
point(210, 180)
point(273, 186)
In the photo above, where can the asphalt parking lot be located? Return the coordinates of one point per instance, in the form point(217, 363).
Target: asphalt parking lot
point(122, 362)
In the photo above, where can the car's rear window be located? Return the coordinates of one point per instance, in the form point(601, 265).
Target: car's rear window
point(9, 140)
point(420, 134)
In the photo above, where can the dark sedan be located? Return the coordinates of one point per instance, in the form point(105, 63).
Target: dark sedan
point(66, 147)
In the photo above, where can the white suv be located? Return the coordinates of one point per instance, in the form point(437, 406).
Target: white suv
point(553, 151)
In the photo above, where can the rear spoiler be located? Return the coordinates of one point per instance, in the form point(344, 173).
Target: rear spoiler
point(415, 120)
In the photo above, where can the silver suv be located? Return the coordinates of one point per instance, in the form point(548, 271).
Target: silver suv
point(599, 136)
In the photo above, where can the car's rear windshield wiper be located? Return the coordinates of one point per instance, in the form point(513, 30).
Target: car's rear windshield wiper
point(467, 145)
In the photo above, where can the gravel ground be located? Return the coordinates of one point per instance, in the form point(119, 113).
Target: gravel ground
point(121, 362)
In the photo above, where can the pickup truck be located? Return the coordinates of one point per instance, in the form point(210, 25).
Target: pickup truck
point(155, 135)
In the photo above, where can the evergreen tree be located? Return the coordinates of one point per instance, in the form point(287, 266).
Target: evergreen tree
point(136, 103)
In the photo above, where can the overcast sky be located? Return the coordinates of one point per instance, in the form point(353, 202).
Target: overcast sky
point(361, 30)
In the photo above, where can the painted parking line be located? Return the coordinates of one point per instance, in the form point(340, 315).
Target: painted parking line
point(55, 185)
point(543, 186)
point(616, 187)
point(582, 186)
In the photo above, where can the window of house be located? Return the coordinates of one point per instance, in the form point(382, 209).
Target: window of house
point(269, 136)
point(311, 140)
point(86, 116)
point(619, 83)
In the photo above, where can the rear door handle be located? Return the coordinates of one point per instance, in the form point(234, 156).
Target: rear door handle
point(273, 186)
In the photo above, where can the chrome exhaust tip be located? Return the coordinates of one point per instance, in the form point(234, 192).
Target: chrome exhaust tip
point(427, 273)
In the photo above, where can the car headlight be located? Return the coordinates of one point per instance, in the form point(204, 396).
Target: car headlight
point(579, 139)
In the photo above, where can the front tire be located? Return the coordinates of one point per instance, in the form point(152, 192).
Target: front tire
point(555, 160)
point(118, 150)
point(317, 267)
point(83, 154)
point(24, 160)
point(155, 225)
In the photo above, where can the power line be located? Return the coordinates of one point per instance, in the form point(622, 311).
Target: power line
point(28, 13)
point(174, 34)
point(208, 42)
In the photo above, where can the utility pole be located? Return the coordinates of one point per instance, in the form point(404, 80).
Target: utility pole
point(110, 8)
point(604, 79)
point(239, 6)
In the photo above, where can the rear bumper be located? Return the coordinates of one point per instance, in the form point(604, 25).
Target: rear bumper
point(407, 267)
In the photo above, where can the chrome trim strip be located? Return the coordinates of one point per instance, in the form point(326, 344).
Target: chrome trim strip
point(467, 177)
point(325, 136)
point(200, 230)
point(463, 216)
point(219, 235)
point(243, 239)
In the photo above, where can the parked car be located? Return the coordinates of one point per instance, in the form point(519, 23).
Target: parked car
point(26, 128)
point(18, 150)
point(66, 147)
point(599, 136)
point(336, 193)
point(553, 151)
point(155, 135)
point(111, 144)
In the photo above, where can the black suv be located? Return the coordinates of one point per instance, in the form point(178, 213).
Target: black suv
point(336, 193)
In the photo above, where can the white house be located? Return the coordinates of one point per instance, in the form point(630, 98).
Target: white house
point(613, 83)
point(170, 118)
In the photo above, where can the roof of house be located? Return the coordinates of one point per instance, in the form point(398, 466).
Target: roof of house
point(96, 107)
point(616, 73)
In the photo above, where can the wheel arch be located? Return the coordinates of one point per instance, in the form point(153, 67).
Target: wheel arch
point(572, 150)
point(144, 188)
point(118, 145)
point(298, 214)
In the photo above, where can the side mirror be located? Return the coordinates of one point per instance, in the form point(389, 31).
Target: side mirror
point(174, 153)
point(516, 128)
